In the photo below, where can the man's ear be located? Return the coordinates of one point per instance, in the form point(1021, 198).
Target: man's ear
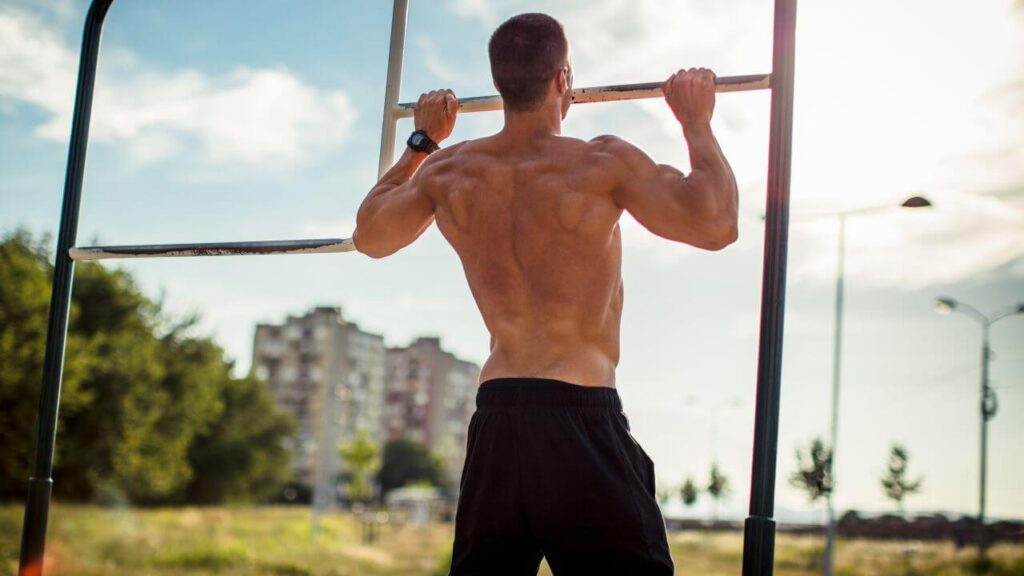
point(561, 81)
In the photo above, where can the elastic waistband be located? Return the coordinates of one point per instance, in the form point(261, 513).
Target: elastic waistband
point(512, 392)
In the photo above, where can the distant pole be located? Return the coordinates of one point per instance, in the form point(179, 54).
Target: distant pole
point(828, 559)
point(987, 413)
point(988, 402)
point(837, 347)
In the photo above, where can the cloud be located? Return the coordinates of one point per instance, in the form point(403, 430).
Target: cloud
point(434, 62)
point(877, 118)
point(962, 235)
point(255, 117)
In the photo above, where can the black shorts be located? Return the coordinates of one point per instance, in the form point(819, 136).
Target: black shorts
point(552, 471)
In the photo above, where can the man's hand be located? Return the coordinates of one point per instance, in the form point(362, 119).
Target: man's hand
point(435, 113)
point(691, 95)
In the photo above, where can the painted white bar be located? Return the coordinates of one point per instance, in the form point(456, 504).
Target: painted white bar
point(394, 84)
point(604, 94)
point(260, 248)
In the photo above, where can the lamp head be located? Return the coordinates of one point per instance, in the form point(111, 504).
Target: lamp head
point(916, 202)
point(944, 306)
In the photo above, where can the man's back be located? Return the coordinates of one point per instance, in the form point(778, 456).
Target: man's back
point(536, 229)
point(551, 467)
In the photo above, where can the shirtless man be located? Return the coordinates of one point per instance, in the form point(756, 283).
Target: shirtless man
point(551, 468)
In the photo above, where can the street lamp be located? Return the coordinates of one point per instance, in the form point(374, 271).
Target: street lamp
point(912, 202)
point(989, 404)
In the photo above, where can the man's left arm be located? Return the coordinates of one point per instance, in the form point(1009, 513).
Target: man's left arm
point(398, 209)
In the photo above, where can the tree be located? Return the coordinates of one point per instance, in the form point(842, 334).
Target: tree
point(406, 461)
point(24, 300)
point(362, 459)
point(689, 492)
point(241, 457)
point(814, 473)
point(895, 483)
point(814, 476)
point(144, 404)
point(150, 396)
point(718, 486)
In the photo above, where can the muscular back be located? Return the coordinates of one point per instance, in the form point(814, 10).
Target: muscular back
point(536, 229)
point(534, 218)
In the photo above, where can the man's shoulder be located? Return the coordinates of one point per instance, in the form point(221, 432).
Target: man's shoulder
point(610, 144)
point(441, 157)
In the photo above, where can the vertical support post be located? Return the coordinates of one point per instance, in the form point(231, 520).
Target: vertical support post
point(393, 86)
point(759, 528)
point(40, 484)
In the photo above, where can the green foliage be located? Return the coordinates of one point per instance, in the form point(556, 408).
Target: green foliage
point(814, 471)
point(241, 458)
point(406, 461)
point(362, 459)
point(689, 492)
point(718, 484)
point(895, 483)
point(143, 404)
point(24, 300)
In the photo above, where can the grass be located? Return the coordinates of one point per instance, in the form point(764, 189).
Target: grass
point(86, 540)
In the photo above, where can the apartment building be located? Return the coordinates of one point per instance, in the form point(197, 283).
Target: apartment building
point(336, 379)
point(430, 398)
point(329, 375)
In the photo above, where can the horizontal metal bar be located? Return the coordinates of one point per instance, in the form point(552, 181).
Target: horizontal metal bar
point(316, 246)
point(605, 94)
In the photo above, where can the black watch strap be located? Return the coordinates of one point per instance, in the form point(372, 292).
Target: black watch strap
point(420, 142)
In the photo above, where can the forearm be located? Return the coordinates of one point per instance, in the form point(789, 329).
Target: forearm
point(399, 174)
point(710, 169)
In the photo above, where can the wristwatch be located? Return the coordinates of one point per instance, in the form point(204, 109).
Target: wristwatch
point(420, 142)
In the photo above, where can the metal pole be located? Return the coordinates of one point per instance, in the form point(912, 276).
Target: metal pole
point(40, 484)
point(759, 528)
point(836, 371)
point(611, 93)
point(393, 86)
point(985, 416)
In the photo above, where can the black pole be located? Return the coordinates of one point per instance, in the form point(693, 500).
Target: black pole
point(759, 528)
point(40, 484)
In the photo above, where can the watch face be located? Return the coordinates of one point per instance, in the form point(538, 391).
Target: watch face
point(417, 139)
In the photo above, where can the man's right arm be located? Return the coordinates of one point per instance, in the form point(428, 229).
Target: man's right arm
point(698, 209)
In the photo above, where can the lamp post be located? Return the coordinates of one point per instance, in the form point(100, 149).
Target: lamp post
point(988, 402)
point(912, 202)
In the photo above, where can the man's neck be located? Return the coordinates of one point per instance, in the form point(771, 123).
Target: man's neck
point(529, 126)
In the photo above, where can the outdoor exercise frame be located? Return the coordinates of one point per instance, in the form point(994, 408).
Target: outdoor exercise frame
point(759, 528)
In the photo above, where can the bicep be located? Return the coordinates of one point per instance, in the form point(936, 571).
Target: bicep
point(393, 218)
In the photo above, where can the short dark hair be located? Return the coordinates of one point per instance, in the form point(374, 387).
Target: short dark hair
point(525, 51)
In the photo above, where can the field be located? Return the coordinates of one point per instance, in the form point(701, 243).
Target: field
point(278, 541)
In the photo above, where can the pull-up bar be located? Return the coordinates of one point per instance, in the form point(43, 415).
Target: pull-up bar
point(261, 248)
point(759, 528)
point(407, 109)
point(604, 94)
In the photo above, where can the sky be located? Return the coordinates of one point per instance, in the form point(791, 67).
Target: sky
point(260, 120)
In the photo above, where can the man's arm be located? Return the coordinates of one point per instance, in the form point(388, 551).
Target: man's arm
point(398, 209)
point(699, 209)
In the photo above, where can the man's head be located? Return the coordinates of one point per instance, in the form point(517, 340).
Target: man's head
point(530, 62)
